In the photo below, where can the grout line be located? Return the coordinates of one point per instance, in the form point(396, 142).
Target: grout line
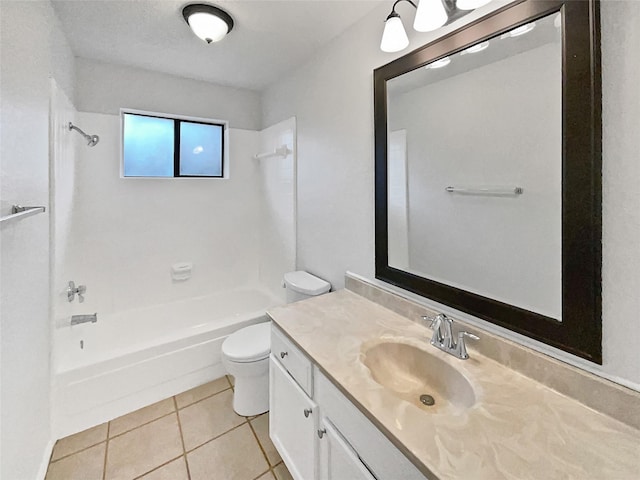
point(106, 452)
point(159, 467)
point(142, 424)
point(229, 381)
point(184, 450)
point(264, 453)
point(215, 438)
point(77, 451)
point(201, 399)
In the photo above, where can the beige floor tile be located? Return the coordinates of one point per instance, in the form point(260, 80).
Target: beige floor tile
point(176, 470)
point(85, 465)
point(203, 391)
point(208, 418)
point(143, 449)
point(282, 473)
point(75, 443)
point(232, 380)
point(139, 417)
point(267, 476)
point(233, 456)
point(261, 426)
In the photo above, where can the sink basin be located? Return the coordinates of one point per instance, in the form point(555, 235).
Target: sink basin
point(410, 373)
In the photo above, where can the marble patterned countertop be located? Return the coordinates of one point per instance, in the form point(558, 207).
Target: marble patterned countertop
point(517, 429)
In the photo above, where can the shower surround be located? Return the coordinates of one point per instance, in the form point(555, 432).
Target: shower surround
point(156, 335)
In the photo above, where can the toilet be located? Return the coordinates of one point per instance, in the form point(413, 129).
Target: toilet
point(245, 353)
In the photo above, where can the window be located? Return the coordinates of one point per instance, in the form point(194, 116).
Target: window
point(157, 146)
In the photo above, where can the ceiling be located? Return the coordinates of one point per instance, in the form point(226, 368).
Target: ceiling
point(269, 39)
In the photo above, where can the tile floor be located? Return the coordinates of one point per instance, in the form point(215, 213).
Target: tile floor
point(195, 435)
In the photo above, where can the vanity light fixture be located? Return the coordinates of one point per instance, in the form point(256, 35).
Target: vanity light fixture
point(478, 47)
point(443, 62)
point(208, 22)
point(521, 30)
point(430, 15)
point(471, 4)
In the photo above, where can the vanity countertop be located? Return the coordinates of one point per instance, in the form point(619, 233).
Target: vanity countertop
point(518, 428)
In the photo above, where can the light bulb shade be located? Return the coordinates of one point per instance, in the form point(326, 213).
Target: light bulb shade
point(209, 23)
point(470, 4)
point(443, 62)
point(394, 37)
point(430, 16)
point(478, 47)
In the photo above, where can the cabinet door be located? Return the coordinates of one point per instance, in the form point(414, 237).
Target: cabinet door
point(338, 460)
point(292, 423)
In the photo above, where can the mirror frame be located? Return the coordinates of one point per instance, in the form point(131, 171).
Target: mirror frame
point(580, 331)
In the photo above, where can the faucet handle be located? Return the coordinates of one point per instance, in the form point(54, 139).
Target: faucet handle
point(436, 325)
point(435, 322)
point(431, 320)
point(461, 335)
point(461, 347)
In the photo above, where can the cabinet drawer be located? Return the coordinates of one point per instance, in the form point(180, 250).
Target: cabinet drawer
point(292, 359)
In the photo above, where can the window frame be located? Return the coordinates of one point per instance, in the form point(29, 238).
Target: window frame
point(224, 174)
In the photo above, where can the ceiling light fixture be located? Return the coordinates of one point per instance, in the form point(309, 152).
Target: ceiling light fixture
point(430, 15)
point(208, 22)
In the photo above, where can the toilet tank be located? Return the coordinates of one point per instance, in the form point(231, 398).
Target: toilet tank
point(301, 285)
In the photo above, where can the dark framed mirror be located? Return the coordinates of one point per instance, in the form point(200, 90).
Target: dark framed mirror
point(488, 172)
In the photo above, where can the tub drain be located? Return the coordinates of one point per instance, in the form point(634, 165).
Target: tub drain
point(427, 400)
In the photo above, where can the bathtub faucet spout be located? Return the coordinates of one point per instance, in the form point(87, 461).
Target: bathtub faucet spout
point(78, 319)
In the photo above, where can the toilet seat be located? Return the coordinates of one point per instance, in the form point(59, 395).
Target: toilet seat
point(249, 344)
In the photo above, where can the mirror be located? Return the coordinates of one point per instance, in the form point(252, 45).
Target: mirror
point(488, 172)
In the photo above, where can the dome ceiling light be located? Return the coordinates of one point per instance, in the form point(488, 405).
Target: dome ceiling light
point(208, 22)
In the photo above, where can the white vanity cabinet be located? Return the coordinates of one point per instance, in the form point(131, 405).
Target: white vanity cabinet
point(338, 460)
point(292, 422)
point(318, 432)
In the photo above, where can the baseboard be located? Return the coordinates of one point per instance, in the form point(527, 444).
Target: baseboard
point(42, 471)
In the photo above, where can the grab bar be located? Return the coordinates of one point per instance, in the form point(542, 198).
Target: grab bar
point(18, 211)
point(486, 190)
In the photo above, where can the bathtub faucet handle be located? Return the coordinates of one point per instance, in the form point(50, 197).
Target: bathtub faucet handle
point(72, 291)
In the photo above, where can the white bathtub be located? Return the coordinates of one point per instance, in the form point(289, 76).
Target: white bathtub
point(131, 359)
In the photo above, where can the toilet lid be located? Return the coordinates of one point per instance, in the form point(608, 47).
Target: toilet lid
point(248, 344)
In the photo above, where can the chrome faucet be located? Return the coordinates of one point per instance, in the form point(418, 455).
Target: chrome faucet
point(443, 336)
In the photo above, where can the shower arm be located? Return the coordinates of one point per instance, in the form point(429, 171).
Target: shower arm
point(77, 129)
point(91, 139)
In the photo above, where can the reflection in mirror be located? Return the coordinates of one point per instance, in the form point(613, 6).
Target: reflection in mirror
point(474, 164)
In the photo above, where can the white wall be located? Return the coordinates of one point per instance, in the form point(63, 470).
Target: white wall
point(621, 191)
point(511, 135)
point(33, 48)
point(277, 181)
point(332, 99)
point(105, 88)
point(62, 195)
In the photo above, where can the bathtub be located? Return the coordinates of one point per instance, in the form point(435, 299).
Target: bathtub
point(130, 359)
